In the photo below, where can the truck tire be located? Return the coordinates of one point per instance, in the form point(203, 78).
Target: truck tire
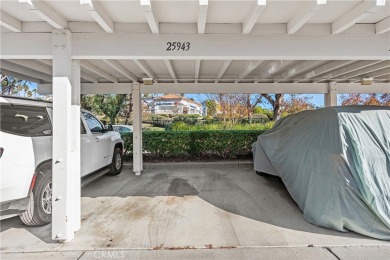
point(117, 162)
point(39, 208)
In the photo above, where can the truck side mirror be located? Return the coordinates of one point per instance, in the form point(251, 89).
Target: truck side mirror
point(109, 127)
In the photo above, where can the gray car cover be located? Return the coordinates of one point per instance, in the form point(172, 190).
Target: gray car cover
point(335, 163)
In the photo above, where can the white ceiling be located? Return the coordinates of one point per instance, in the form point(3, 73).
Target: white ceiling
point(223, 17)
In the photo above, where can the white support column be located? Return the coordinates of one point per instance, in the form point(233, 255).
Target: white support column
point(75, 149)
point(330, 98)
point(64, 170)
point(137, 130)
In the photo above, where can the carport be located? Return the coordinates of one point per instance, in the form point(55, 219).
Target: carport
point(83, 46)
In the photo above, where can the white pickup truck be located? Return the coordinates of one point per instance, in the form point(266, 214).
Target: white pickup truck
point(26, 153)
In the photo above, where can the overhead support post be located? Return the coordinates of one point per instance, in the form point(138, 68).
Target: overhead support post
point(137, 130)
point(330, 98)
point(65, 171)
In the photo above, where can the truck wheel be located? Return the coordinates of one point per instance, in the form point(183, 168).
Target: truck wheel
point(117, 162)
point(40, 205)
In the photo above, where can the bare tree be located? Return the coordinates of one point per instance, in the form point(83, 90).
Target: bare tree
point(276, 102)
point(297, 103)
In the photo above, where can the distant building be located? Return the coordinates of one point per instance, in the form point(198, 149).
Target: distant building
point(175, 104)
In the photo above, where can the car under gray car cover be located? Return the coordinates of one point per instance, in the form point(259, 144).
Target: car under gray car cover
point(335, 163)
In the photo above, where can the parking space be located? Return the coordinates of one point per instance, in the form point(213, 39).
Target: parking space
point(183, 208)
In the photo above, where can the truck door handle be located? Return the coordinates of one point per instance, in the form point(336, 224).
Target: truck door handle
point(96, 140)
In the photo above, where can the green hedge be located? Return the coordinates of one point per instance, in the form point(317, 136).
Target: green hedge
point(224, 143)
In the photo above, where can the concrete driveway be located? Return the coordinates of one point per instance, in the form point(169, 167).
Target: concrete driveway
point(206, 212)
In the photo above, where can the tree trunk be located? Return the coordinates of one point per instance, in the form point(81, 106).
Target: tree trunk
point(277, 106)
point(112, 120)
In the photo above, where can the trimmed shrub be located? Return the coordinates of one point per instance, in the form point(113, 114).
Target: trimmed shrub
point(223, 143)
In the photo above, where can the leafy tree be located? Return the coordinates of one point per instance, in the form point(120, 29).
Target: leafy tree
point(296, 103)
point(264, 111)
point(211, 106)
point(11, 86)
point(108, 104)
point(87, 102)
point(366, 99)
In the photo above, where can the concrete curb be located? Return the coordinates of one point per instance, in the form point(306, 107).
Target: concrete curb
point(192, 165)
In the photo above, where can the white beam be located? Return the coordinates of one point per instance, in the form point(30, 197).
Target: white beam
point(98, 14)
point(171, 70)
point(274, 68)
point(236, 88)
point(121, 69)
point(145, 68)
point(202, 15)
point(10, 22)
point(4, 64)
point(253, 88)
point(233, 88)
point(150, 17)
point(91, 67)
point(45, 12)
point(235, 47)
point(383, 26)
point(93, 88)
point(88, 77)
point(333, 65)
point(298, 69)
point(34, 65)
point(348, 69)
point(137, 130)
point(19, 76)
point(65, 172)
point(350, 88)
point(251, 20)
point(252, 65)
point(367, 71)
point(308, 11)
point(222, 70)
point(358, 13)
point(83, 75)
